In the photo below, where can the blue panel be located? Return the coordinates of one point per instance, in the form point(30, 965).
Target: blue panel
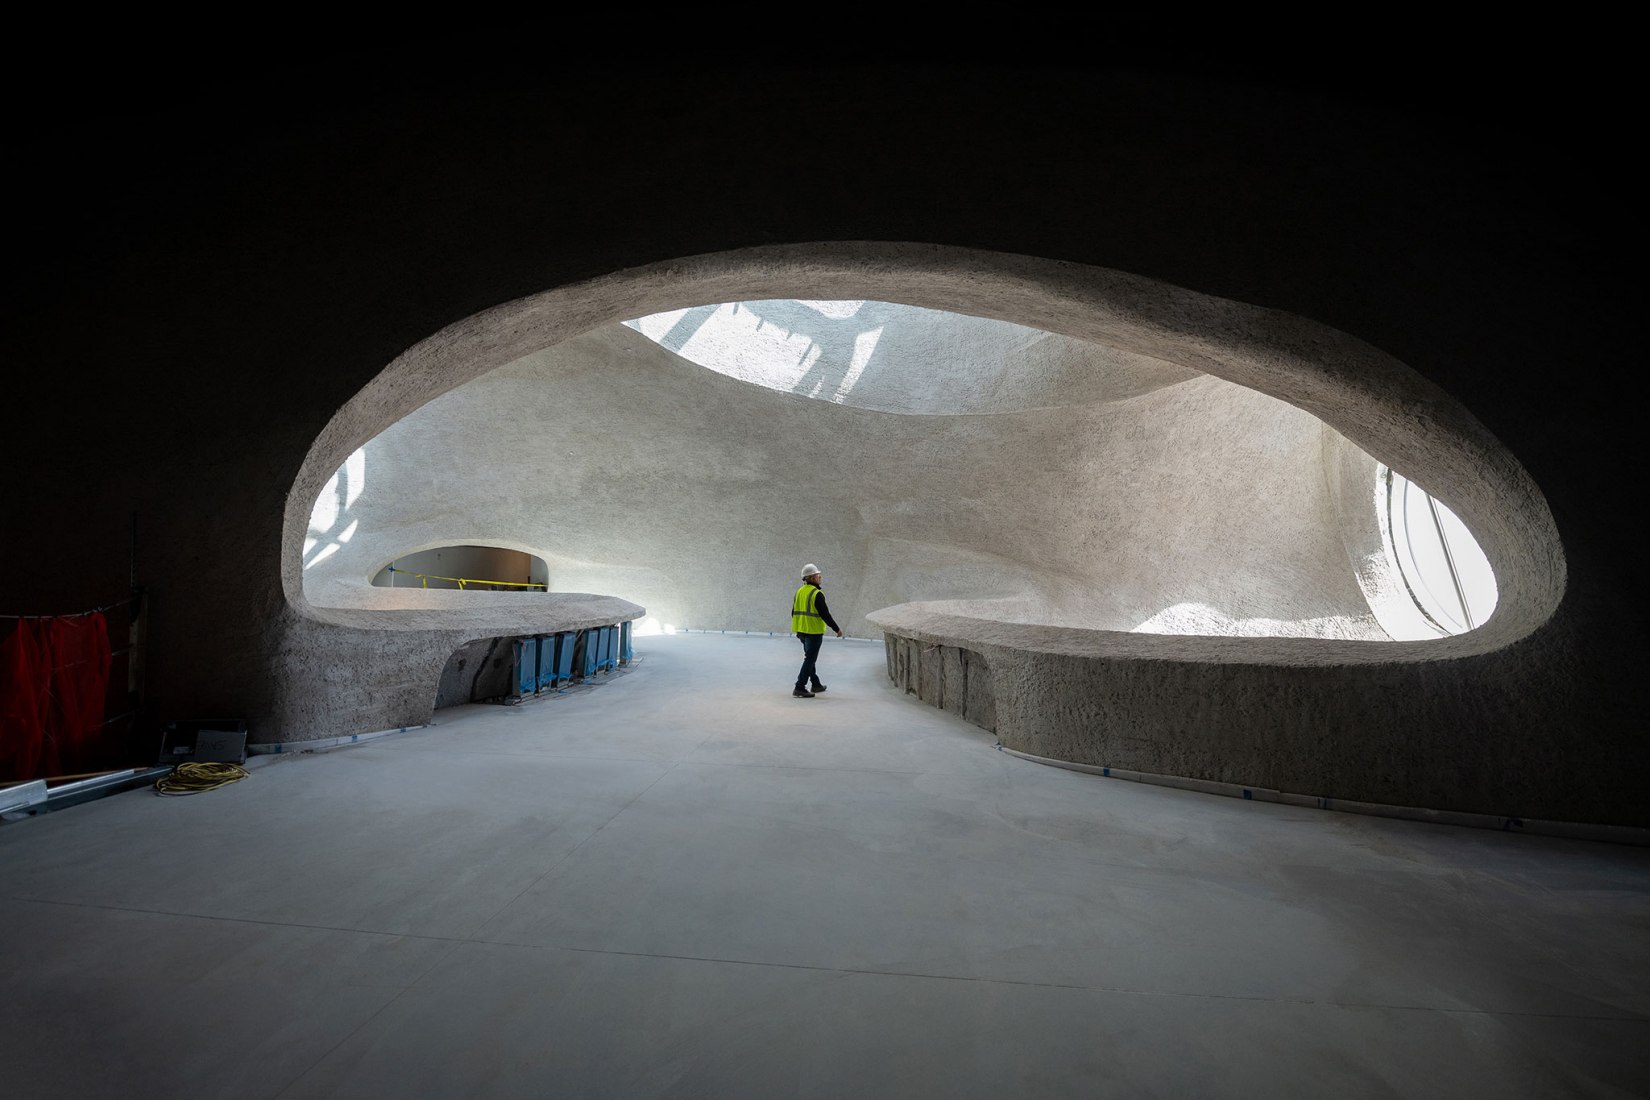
point(564, 657)
point(626, 654)
point(606, 654)
point(547, 661)
point(592, 639)
point(527, 666)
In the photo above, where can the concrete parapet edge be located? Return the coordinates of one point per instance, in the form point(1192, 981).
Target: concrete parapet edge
point(1373, 724)
point(337, 672)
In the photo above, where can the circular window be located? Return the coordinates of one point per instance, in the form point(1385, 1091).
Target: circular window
point(1446, 575)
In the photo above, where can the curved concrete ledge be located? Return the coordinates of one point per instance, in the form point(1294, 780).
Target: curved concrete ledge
point(1366, 722)
point(477, 614)
point(336, 672)
point(964, 623)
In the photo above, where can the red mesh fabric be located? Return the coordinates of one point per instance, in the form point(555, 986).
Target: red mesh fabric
point(80, 683)
point(25, 679)
point(54, 677)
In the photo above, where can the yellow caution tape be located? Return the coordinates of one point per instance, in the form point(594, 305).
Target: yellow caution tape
point(462, 581)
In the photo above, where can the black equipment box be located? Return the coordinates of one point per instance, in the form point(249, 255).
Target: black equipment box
point(220, 741)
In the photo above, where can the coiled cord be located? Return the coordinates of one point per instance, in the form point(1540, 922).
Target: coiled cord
point(193, 777)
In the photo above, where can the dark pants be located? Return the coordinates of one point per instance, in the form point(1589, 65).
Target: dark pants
point(810, 653)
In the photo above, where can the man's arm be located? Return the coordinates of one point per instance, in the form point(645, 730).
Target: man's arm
point(825, 613)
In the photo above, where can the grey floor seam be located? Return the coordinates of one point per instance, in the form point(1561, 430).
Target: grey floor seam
point(1115, 990)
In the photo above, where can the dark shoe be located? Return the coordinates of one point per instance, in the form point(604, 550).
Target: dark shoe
point(801, 693)
point(818, 688)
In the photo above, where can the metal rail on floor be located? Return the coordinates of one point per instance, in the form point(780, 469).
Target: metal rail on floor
point(36, 797)
point(1616, 834)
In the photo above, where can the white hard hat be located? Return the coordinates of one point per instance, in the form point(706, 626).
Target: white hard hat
point(809, 570)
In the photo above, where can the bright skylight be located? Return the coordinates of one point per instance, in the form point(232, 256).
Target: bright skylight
point(1449, 582)
point(817, 350)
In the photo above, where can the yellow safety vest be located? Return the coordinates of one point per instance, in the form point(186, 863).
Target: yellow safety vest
point(805, 619)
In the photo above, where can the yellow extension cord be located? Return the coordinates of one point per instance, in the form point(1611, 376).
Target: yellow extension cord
point(195, 776)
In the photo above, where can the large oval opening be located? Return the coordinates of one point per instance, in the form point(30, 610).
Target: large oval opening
point(1009, 438)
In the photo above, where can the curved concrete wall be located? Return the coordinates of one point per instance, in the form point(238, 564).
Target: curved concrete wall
point(222, 317)
point(1360, 389)
point(1189, 506)
point(1385, 407)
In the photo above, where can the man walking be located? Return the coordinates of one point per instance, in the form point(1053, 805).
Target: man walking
point(809, 618)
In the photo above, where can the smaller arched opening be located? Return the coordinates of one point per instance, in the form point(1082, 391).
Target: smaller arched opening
point(467, 568)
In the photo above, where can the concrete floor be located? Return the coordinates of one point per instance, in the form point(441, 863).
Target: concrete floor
point(683, 882)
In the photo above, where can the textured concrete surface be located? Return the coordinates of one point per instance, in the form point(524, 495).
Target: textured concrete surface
point(684, 882)
point(1151, 498)
point(1340, 723)
point(317, 688)
point(226, 301)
